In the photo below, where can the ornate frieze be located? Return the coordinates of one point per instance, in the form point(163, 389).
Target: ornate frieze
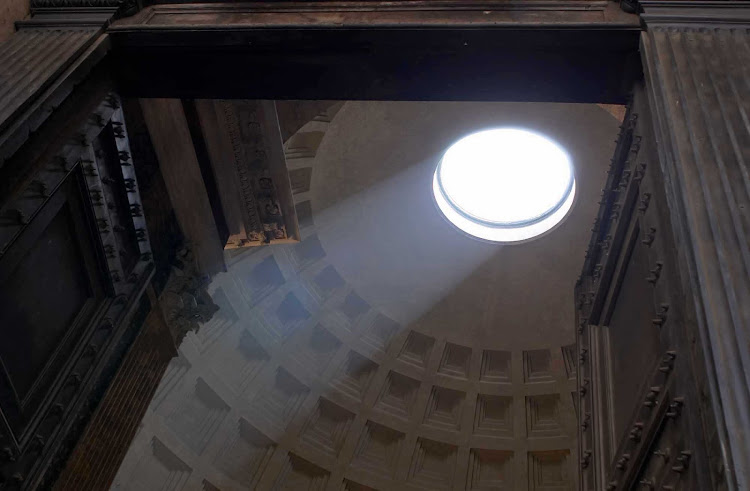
point(247, 156)
point(250, 206)
point(35, 4)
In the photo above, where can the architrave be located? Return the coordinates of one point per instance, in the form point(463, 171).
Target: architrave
point(425, 50)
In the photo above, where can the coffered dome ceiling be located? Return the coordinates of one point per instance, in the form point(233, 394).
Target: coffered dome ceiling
point(387, 350)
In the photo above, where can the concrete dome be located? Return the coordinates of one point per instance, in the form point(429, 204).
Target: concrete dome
point(386, 350)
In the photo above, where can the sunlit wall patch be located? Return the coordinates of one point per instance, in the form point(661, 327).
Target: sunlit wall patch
point(504, 184)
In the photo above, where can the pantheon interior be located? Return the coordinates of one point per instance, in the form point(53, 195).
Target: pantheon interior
point(374, 245)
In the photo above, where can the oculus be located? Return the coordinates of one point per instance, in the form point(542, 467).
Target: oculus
point(504, 184)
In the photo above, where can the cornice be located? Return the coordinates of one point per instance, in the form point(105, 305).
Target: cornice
point(37, 4)
point(73, 11)
point(706, 12)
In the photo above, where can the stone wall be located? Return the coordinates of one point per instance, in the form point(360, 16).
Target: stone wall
point(11, 11)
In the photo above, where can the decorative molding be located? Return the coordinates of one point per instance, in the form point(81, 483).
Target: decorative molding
point(549, 470)
point(488, 12)
point(247, 157)
point(496, 367)
point(398, 395)
point(416, 350)
point(456, 361)
point(164, 468)
point(197, 419)
point(298, 473)
point(280, 399)
point(185, 302)
point(75, 9)
point(327, 428)
point(544, 416)
point(245, 455)
point(493, 416)
point(433, 464)
point(696, 71)
point(354, 375)
point(378, 449)
point(630, 6)
point(250, 208)
point(537, 366)
point(70, 13)
point(24, 75)
point(318, 349)
point(444, 408)
point(694, 11)
point(60, 420)
point(36, 4)
point(731, 11)
point(400, 5)
point(490, 469)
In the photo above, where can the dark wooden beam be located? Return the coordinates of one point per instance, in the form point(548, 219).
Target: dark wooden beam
point(514, 51)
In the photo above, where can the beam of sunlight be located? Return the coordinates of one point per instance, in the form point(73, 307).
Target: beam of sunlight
point(395, 226)
point(504, 184)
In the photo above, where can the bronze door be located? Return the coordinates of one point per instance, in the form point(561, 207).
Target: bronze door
point(640, 408)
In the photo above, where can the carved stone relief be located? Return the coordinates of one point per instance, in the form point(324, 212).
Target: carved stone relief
point(244, 143)
point(185, 302)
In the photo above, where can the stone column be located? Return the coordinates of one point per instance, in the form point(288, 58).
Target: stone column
point(696, 58)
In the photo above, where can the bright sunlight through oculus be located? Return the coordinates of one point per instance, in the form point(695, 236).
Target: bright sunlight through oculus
point(504, 184)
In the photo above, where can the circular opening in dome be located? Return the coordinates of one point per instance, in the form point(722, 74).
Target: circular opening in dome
point(504, 184)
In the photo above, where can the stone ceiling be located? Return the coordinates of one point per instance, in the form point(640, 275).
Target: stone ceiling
point(386, 350)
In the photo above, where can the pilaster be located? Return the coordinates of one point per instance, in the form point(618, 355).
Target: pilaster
point(696, 58)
